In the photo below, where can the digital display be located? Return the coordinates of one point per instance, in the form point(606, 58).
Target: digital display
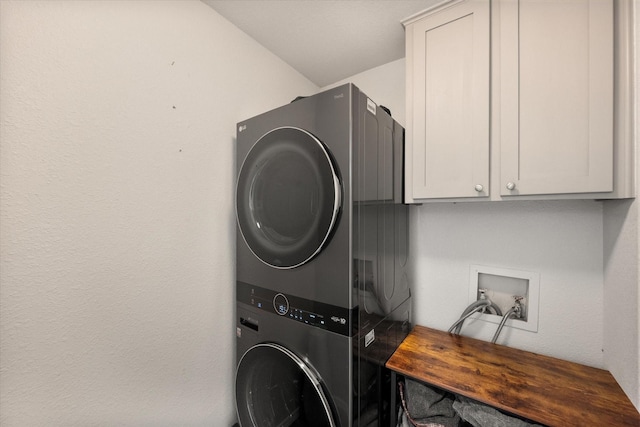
point(281, 304)
point(307, 317)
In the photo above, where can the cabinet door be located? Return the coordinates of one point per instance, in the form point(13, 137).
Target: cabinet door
point(448, 103)
point(556, 96)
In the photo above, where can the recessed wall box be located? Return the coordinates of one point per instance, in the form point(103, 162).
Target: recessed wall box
point(502, 286)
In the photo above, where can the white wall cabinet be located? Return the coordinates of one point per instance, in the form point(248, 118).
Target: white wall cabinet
point(556, 97)
point(512, 99)
point(448, 61)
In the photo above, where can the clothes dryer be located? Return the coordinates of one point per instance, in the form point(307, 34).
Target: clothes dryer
point(318, 201)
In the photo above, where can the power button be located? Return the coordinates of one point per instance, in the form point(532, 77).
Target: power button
point(281, 304)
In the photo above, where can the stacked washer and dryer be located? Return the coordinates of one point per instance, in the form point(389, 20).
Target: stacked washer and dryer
point(322, 292)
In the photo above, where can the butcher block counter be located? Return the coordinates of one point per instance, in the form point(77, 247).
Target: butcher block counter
point(542, 389)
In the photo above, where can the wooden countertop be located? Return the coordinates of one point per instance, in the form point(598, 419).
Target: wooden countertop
point(541, 388)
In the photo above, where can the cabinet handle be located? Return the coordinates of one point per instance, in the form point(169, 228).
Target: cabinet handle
point(511, 185)
point(479, 188)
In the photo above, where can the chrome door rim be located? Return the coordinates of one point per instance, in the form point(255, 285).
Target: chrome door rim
point(337, 199)
point(303, 366)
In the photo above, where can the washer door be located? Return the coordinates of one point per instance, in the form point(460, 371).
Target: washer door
point(287, 198)
point(275, 388)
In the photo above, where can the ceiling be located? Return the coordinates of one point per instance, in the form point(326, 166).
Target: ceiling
point(325, 40)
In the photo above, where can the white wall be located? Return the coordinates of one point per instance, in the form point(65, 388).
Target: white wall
point(621, 294)
point(117, 125)
point(560, 241)
point(622, 265)
point(385, 85)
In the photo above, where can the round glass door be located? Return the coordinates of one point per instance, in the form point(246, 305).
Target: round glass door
point(275, 388)
point(287, 198)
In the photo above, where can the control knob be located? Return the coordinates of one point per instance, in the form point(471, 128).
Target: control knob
point(281, 304)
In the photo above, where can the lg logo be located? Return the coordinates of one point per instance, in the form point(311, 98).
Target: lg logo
point(340, 320)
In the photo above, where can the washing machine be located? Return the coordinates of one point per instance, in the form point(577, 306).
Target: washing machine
point(322, 291)
point(292, 371)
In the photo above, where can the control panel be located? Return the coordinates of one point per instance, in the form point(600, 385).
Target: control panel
point(313, 313)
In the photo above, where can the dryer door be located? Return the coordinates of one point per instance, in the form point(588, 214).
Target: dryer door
point(288, 197)
point(274, 387)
